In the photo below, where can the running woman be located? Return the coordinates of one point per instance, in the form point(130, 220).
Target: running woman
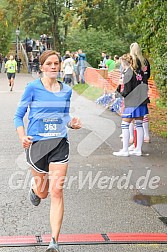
point(46, 142)
point(11, 68)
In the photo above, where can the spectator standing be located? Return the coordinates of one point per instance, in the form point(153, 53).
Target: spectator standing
point(103, 62)
point(135, 95)
point(26, 44)
point(42, 47)
point(19, 63)
point(5, 60)
point(82, 64)
point(76, 70)
point(63, 57)
point(37, 44)
point(36, 64)
point(109, 64)
point(117, 62)
point(49, 42)
point(136, 53)
point(29, 45)
point(68, 67)
point(11, 66)
point(30, 62)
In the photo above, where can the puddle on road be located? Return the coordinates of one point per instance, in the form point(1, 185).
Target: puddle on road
point(150, 200)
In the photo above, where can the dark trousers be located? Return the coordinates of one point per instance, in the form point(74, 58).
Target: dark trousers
point(68, 79)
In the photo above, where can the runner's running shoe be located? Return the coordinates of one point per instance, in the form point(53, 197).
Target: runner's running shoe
point(35, 200)
point(53, 246)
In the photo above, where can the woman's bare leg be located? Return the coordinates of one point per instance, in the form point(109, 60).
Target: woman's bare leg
point(57, 174)
point(41, 185)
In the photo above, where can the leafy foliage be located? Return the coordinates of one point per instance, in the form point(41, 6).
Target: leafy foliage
point(94, 26)
point(5, 31)
point(93, 42)
point(150, 28)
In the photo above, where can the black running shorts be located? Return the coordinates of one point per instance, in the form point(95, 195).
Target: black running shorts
point(42, 153)
point(11, 76)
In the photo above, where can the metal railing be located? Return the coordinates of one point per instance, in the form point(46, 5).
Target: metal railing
point(23, 51)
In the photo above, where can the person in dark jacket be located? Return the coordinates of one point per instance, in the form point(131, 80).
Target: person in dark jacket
point(135, 93)
point(136, 53)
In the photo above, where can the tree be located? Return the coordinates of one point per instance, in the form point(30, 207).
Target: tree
point(92, 43)
point(149, 26)
point(5, 31)
point(39, 17)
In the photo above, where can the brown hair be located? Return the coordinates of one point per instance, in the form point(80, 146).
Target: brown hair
point(127, 58)
point(116, 57)
point(46, 54)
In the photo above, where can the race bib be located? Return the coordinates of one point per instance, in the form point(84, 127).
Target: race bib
point(50, 127)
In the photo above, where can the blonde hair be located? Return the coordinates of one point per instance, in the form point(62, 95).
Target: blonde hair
point(136, 54)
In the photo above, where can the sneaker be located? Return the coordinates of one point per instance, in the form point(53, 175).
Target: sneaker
point(121, 136)
point(121, 153)
point(11, 89)
point(53, 246)
point(35, 200)
point(135, 153)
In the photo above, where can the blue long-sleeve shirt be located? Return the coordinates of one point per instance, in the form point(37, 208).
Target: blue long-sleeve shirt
point(48, 112)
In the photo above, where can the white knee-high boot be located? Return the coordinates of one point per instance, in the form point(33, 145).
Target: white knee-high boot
point(131, 130)
point(125, 138)
point(146, 129)
point(125, 135)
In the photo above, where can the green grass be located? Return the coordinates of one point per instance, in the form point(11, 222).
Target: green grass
point(164, 134)
point(90, 92)
point(161, 103)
